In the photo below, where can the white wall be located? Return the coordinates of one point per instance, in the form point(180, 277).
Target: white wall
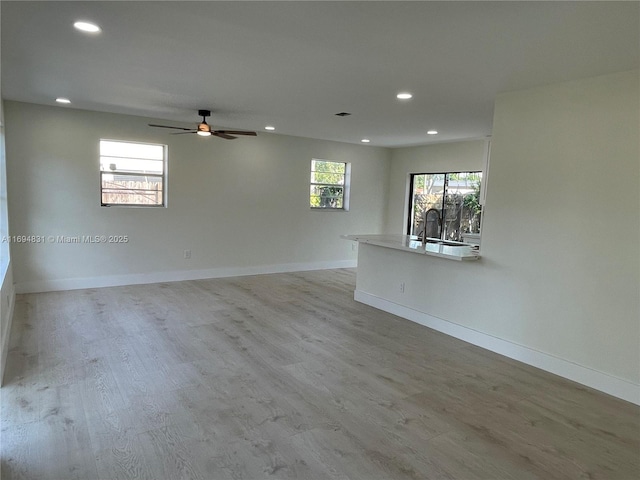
point(440, 157)
point(7, 293)
point(563, 211)
point(560, 268)
point(240, 206)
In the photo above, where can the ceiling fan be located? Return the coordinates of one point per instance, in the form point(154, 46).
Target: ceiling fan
point(205, 130)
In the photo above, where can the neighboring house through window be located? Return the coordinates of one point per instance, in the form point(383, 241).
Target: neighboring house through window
point(132, 174)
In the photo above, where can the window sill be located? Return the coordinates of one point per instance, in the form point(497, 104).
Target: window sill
point(321, 209)
point(115, 205)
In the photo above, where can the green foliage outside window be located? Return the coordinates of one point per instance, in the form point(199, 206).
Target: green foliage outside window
point(327, 184)
point(455, 196)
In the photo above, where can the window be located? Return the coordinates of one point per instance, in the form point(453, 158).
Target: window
point(132, 174)
point(329, 185)
point(445, 205)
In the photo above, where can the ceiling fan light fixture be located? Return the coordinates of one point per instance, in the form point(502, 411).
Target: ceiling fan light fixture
point(204, 128)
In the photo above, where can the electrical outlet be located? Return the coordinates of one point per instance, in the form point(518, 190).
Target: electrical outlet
point(187, 254)
point(401, 287)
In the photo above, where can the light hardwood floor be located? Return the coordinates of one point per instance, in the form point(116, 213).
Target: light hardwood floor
point(284, 376)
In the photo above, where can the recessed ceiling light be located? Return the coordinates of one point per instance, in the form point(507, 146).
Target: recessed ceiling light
point(432, 132)
point(269, 127)
point(87, 27)
point(365, 140)
point(63, 100)
point(404, 96)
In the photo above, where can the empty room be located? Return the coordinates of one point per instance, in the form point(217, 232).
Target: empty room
point(320, 240)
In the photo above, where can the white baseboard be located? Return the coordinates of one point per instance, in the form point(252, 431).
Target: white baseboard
point(173, 276)
point(592, 378)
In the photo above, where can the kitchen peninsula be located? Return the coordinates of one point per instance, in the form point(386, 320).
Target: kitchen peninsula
point(418, 281)
point(410, 243)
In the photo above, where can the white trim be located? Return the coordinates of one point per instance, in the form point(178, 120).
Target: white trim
point(592, 378)
point(173, 276)
point(7, 330)
point(485, 172)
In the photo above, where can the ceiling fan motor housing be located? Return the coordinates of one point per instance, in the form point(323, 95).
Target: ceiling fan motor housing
point(204, 128)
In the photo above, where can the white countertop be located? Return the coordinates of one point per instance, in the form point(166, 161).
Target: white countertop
point(410, 243)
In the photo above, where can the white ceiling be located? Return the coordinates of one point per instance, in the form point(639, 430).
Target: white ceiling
point(295, 64)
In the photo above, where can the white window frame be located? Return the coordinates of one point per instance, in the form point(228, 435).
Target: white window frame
point(162, 176)
point(346, 186)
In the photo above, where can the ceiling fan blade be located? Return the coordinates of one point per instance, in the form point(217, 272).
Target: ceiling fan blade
point(236, 132)
point(167, 126)
point(182, 133)
point(222, 135)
